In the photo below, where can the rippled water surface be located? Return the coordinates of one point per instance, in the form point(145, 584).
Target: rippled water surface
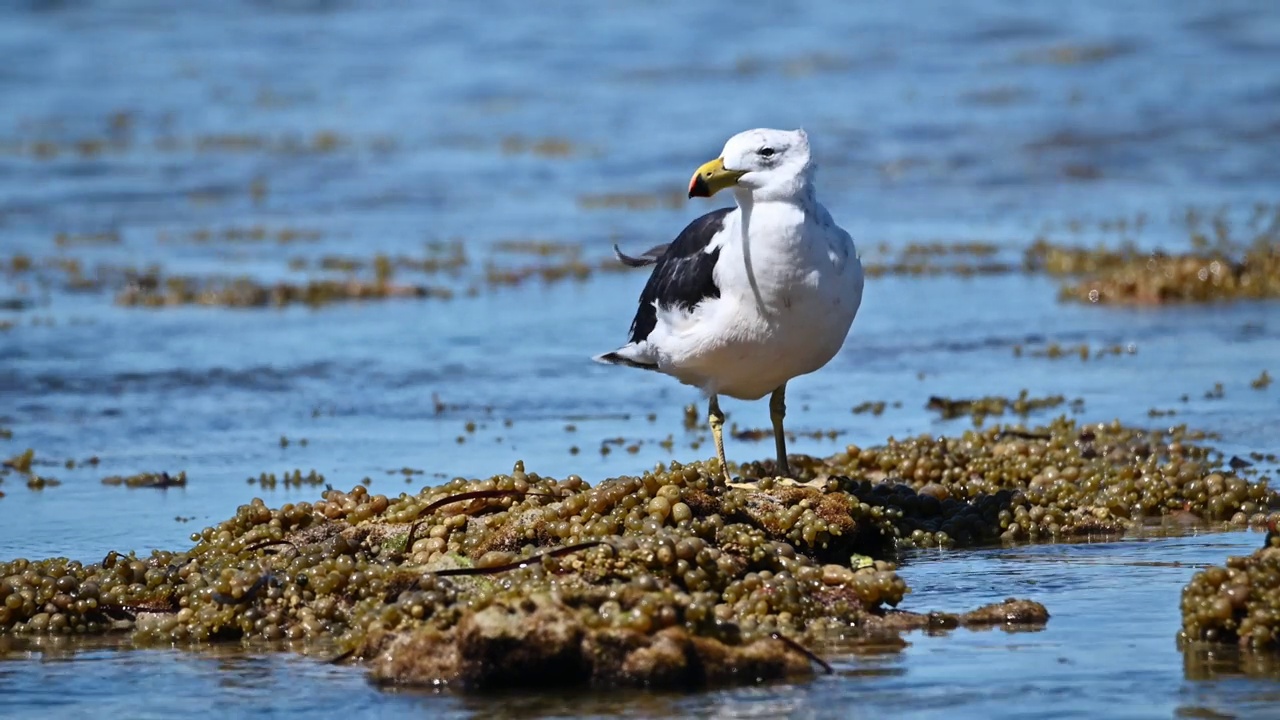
point(257, 139)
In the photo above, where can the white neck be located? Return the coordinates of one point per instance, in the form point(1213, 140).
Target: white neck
point(797, 190)
point(799, 194)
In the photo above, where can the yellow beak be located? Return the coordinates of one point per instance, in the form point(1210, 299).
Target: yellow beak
point(712, 177)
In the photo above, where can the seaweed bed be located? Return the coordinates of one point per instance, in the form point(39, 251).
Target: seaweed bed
point(668, 579)
point(1210, 273)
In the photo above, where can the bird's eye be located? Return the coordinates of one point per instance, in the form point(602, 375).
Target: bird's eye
point(766, 152)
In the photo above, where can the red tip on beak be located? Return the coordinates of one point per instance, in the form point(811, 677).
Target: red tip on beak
point(698, 187)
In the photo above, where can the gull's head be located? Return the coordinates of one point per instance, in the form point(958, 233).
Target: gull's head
point(768, 164)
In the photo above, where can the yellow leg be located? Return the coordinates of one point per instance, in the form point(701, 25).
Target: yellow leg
point(716, 419)
point(777, 411)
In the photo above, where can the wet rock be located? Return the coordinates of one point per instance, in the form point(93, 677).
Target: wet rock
point(1009, 612)
point(539, 642)
point(533, 642)
point(1012, 612)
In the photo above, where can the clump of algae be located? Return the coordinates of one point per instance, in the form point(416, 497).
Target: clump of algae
point(662, 579)
point(1210, 272)
point(156, 291)
point(1237, 604)
point(667, 579)
point(980, 408)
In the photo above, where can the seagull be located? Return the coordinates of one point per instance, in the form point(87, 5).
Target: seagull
point(748, 297)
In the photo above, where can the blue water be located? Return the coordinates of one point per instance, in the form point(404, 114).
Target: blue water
point(384, 126)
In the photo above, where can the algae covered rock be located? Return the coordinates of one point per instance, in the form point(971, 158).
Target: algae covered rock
point(666, 579)
point(663, 579)
point(539, 642)
point(1062, 480)
point(1237, 604)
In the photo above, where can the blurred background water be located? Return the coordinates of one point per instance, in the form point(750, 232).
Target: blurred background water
point(268, 140)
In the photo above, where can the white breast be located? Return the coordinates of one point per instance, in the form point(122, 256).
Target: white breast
point(787, 299)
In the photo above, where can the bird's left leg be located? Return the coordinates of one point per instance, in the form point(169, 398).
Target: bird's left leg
point(777, 411)
point(716, 419)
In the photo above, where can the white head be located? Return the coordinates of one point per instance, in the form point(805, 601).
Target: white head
point(769, 164)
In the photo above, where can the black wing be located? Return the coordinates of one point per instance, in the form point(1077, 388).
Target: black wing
point(683, 274)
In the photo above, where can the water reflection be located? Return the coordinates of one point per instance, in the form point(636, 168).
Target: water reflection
point(1201, 661)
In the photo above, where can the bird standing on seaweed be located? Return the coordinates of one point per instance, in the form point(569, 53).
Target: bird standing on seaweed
point(747, 298)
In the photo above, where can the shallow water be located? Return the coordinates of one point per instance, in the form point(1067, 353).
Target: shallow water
point(384, 126)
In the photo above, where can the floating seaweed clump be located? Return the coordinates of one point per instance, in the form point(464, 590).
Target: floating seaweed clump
point(1130, 277)
point(1056, 351)
point(552, 268)
point(669, 200)
point(21, 462)
point(110, 237)
point(440, 257)
point(289, 479)
point(965, 258)
point(874, 407)
point(246, 234)
point(160, 480)
point(155, 291)
point(979, 409)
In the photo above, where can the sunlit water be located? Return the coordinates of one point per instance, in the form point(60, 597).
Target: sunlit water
point(385, 126)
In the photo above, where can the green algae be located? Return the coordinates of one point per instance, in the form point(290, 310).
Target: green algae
point(965, 258)
point(156, 291)
point(157, 480)
point(244, 234)
point(655, 200)
point(979, 409)
point(1083, 351)
point(874, 407)
point(22, 461)
point(546, 147)
point(110, 237)
point(295, 478)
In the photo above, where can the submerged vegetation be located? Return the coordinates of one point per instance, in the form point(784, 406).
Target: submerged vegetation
point(159, 291)
point(160, 480)
point(979, 409)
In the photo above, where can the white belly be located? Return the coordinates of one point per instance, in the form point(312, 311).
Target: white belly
point(786, 317)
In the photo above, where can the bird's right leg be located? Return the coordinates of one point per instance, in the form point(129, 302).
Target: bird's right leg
point(777, 411)
point(716, 419)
